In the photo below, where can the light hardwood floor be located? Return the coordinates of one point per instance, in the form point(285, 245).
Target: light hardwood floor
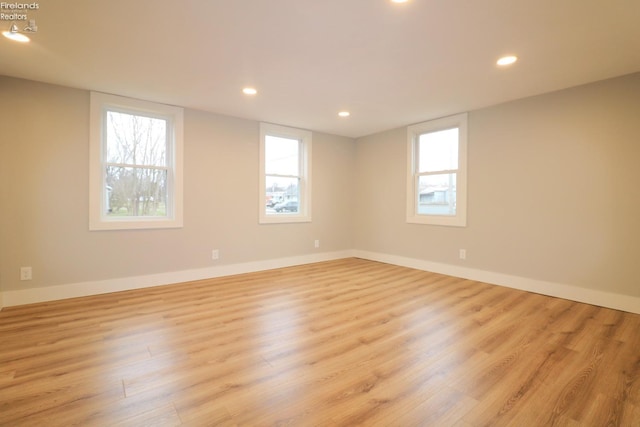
point(347, 342)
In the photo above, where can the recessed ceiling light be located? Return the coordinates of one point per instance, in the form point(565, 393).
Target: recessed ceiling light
point(507, 60)
point(344, 114)
point(399, 1)
point(249, 91)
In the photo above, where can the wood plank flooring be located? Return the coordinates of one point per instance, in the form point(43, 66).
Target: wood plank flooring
point(347, 342)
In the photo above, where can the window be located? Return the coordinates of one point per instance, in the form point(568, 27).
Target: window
point(285, 174)
point(135, 164)
point(437, 176)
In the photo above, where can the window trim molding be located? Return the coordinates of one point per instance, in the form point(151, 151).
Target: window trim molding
point(99, 104)
point(304, 204)
point(413, 133)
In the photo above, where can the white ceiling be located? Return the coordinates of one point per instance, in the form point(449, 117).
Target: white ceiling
point(389, 64)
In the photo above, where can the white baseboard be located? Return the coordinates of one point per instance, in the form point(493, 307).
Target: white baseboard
point(569, 292)
point(74, 290)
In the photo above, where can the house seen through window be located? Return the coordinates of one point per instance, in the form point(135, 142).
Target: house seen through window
point(285, 184)
point(436, 177)
point(282, 166)
point(437, 172)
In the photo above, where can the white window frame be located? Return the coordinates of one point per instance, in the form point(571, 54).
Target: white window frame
point(99, 105)
point(413, 134)
point(304, 202)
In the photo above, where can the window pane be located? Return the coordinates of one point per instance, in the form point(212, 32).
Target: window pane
point(438, 151)
point(282, 195)
point(437, 194)
point(281, 156)
point(136, 140)
point(136, 191)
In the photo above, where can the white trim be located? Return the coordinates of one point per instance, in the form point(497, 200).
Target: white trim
point(558, 290)
point(574, 293)
point(304, 203)
point(74, 290)
point(413, 134)
point(99, 102)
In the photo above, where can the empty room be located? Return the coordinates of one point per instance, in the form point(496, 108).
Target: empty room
point(320, 213)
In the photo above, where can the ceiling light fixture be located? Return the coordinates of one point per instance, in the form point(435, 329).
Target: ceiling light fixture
point(507, 60)
point(14, 34)
point(344, 114)
point(399, 1)
point(249, 91)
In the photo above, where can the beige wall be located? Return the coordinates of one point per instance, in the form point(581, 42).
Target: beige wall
point(553, 194)
point(44, 189)
point(553, 191)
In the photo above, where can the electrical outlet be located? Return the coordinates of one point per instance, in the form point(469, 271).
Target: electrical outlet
point(215, 254)
point(463, 254)
point(316, 243)
point(26, 273)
